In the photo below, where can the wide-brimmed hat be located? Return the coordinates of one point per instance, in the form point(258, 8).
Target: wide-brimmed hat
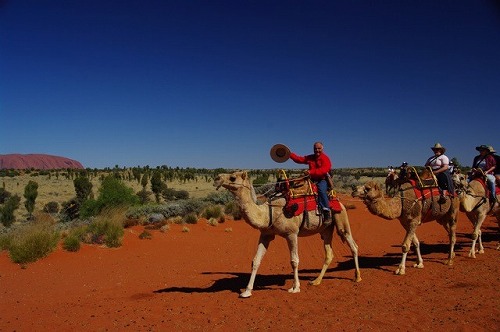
point(438, 146)
point(484, 147)
point(491, 149)
point(280, 153)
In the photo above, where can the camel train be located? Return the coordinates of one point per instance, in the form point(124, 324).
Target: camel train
point(420, 201)
point(290, 211)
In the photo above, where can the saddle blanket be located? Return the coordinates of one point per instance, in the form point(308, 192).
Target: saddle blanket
point(297, 206)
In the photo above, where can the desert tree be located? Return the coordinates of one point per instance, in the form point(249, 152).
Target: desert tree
point(30, 194)
point(157, 185)
point(83, 188)
point(7, 210)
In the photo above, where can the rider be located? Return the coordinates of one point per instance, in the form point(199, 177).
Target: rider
point(439, 163)
point(487, 163)
point(319, 167)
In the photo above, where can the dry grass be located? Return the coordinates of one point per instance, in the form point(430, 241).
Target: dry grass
point(62, 189)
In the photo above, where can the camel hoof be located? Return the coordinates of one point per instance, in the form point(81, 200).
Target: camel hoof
point(246, 294)
point(294, 290)
point(472, 254)
point(357, 279)
point(481, 251)
point(419, 265)
point(399, 272)
point(315, 282)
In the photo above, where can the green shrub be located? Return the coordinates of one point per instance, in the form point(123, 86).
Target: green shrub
point(190, 218)
point(83, 188)
point(4, 241)
point(33, 242)
point(145, 235)
point(106, 229)
point(71, 243)
point(213, 211)
point(232, 208)
point(4, 195)
point(51, 207)
point(7, 210)
point(113, 193)
point(30, 194)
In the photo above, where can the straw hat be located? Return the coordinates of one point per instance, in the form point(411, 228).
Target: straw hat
point(491, 149)
point(484, 147)
point(438, 146)
point(280, 153)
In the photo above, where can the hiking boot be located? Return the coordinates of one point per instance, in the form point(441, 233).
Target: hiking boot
point(327, 217)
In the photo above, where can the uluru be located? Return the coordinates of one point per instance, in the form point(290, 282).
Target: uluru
point(37, 161)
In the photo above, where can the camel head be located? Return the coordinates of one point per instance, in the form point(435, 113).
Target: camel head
point(370, 191)
point(459, 181)
point(232, 182)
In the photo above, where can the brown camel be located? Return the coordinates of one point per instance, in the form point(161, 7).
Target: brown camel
point(411, 212)
point(391, 183)
point(475, 203)
point(269, 219)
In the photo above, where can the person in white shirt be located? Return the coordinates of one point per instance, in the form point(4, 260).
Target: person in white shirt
point(440, 164)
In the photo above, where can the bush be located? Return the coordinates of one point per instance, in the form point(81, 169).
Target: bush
point(30, 194)
point(190, 218)
point(71, 243)
point(4, 195)
point(30, 243)
point(232, 208)
point(107, 229)
point(220, 197)
point(213, 211)
point(113, 193)
point(7, 210)
point(83, 188)
point(51, 207)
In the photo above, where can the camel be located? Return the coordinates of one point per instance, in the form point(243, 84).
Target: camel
point(475, 203)
point(391, 183)
point(411, 211)
point(270, 220)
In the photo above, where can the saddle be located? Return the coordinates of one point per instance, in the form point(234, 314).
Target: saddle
point(426, 179)
point(424, 184)
point(301, 195)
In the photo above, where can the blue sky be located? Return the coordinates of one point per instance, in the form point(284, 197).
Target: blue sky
point(211, 84)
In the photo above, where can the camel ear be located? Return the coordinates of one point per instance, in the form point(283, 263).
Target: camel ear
point(244, 175)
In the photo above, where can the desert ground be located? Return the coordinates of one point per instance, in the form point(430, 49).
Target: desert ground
point(190, 281)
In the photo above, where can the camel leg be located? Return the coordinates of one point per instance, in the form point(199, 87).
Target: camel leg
point(476, 235)
point(405, 247)
point(453, 239)
point(264, 241)
point(327, 244)
point(420, 260)
point(480, 242)
point(294, 260)
point(344, 231)
point(354, 251)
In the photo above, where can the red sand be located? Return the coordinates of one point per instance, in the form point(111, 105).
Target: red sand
point(191, 281)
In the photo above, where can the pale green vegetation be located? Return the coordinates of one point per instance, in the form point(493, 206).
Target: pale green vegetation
point(78, 207)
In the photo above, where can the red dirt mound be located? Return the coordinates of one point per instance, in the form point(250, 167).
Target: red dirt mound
point(190, 280)
point(36, 161)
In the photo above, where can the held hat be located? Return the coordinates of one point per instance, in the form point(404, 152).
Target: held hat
point(438, 146)
point(280, 153)
point(483, 147)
